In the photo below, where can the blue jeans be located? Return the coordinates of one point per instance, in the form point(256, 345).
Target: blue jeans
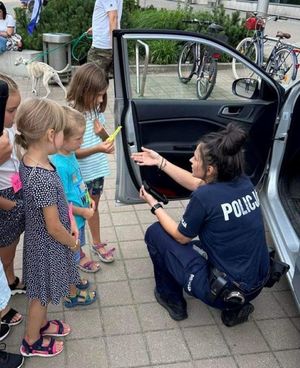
point(82, 243)
point(2, 44)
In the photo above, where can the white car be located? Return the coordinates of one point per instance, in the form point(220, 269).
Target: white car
point(160, 111)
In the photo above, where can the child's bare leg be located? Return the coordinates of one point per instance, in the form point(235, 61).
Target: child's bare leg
point(73, 290)
point(87, 264)
point(94, 224)
point(37, 318)
point(7, 255)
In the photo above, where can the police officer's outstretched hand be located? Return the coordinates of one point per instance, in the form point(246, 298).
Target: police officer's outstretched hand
point(147, 158)
point(147, 197)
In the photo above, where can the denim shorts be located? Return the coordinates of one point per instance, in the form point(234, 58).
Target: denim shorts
point(5, 290)
point(3, 41)
point(82, 242)
point(95, 187)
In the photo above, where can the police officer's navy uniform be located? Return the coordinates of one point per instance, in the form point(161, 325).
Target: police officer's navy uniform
point(226, 216)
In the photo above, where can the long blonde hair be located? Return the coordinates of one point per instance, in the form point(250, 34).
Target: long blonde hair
point(34, 117)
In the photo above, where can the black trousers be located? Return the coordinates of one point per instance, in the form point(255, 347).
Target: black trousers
point(178, 267)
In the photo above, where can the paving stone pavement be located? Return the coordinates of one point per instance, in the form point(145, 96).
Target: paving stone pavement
point(127, 328)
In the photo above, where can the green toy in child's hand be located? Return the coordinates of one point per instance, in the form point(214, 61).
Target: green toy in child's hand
point(112, 137)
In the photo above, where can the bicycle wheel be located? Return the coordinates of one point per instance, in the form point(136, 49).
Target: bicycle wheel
point(283, 66)
point(248, 48)
point(187, 62)
point(206, 79)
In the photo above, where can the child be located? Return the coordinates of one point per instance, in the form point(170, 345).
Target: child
point(11, 204)
point(49, 267)
point(87, 94)
point(76, 192)
point(6, 359)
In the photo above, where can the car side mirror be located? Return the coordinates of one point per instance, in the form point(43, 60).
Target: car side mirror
point(245, 87)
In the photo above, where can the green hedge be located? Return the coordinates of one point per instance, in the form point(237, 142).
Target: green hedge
point(66, 16)
point(71, 16)
point(151, 18)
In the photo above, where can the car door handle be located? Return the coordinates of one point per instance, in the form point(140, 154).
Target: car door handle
point(231, 110)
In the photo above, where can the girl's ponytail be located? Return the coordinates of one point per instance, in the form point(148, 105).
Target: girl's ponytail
point(21, 140)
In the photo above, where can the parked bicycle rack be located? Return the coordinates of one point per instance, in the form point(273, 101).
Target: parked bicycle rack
point(140, 89)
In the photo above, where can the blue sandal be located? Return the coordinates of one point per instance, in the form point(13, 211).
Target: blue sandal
point(37, 348)
point(86, 298)
point(83, 285)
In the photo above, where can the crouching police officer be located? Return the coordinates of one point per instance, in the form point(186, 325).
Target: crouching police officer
point(230, 264)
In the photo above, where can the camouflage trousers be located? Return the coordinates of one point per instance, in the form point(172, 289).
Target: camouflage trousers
point(103, 58)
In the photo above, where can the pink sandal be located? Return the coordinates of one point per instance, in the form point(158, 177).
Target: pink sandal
point(89, 266)
point(106, 257)
point(60, 329)
point(37, 348)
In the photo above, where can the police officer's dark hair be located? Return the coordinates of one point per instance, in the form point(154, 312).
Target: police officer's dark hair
point(224, 151)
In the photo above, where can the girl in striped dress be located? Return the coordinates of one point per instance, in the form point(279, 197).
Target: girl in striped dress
point(88, 94)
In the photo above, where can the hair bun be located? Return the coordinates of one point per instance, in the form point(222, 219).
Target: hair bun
point(232, 140)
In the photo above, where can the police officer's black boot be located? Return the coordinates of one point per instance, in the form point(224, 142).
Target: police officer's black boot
point(177, 310)
point(234, 317)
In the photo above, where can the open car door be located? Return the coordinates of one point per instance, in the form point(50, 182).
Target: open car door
point(160, 106)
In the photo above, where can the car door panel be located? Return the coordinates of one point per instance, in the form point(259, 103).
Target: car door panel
point(173, 131)
point(169, 119)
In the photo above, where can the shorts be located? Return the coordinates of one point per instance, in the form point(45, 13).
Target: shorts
point(12, 221)
point(5, 290)
point(95, 186)
point(103, 58)
point(82, 243)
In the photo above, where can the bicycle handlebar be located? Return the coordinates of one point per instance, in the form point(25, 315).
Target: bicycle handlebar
point(212, 26)
point(270, 17)
point(197, 21)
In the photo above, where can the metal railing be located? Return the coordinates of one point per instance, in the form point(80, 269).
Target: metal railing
point(140, 87)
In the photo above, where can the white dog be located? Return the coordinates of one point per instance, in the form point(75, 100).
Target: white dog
point(37, 70)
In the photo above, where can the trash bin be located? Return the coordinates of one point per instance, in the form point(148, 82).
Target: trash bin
point(57, 52)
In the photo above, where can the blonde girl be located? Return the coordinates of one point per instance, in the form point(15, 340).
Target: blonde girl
point(11, 203)
point(49, 267)
point(88, 94)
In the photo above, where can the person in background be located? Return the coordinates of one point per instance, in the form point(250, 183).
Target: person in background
point(7, 27)
point(106, 17)
point(224, 212)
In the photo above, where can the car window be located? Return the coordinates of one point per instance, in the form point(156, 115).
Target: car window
point(185, 70)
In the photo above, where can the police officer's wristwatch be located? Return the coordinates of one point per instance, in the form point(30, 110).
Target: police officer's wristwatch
point(155, 207)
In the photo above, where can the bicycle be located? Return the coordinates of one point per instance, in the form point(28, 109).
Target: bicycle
point(282, 63)
point(200, 60)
